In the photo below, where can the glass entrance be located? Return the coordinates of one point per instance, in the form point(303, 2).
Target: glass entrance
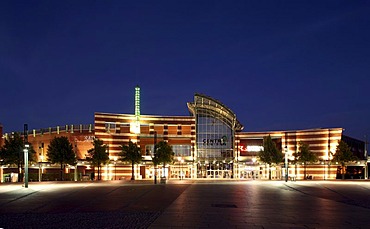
point(214, 142)
point(215, 169)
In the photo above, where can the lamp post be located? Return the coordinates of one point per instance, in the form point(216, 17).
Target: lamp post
point(115, 168)
point(328, 165)
point(325, 162)
point(25, 150)
point(286, 164)
point(76, 165)
point(40, 160)
point(366, 157)
point(155, 154)
point(40, 164)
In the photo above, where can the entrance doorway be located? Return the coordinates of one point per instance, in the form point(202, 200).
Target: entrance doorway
point(215, 170)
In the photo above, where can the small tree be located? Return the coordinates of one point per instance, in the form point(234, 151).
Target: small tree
point(12, 153)
point(270, 153)
point(132, 154)
point(304, 155)
point(60, 151)
point(343, 155)
point(164, 154)
point(98, 155)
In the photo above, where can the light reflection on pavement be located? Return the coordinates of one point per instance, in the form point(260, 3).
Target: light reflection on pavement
point(211, 204)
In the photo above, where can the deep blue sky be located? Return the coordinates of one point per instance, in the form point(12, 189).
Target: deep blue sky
point(279, 65)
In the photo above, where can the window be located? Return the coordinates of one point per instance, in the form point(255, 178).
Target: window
point(214, 136)
point(110, 127)
point(179, 150)
point(182, 150)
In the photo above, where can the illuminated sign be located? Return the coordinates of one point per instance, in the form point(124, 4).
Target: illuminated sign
point(217, 141)
point(252, 148)
point(137, 102)
point(89, 138)
point(135, 126)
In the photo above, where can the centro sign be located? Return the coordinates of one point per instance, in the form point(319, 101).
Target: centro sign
point(215, 141)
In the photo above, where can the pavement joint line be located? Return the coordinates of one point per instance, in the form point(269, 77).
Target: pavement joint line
point(295, 189)
point(363, 187)
point(336, 192)
point(347, 201)
point(18, 198)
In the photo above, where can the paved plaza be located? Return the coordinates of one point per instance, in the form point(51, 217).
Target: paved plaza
point(186, 204)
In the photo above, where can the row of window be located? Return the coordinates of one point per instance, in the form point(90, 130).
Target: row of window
point(179, 150)
point(111, 127)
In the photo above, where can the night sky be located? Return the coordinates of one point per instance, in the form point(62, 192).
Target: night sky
point(279, 65)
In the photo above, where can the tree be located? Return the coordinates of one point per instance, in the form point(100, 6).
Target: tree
point(304, 155)
point(98, 155)
point(270, 153)
point(12, 153)
point(131, 153)
point(343, 155)
point(163, 154)
point(60, 151)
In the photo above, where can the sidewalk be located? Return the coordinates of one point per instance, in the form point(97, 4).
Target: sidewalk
point(186, 204)
point(262, 205)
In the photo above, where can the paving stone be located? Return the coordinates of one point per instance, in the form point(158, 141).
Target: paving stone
point(257, 204)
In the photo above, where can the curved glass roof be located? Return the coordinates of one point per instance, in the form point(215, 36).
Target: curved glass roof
point(213, 105)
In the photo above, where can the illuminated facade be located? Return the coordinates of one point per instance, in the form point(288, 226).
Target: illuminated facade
point(179, 132)
point(208, 144)
point(216, 126)
point(81, 138)
point(322, 142)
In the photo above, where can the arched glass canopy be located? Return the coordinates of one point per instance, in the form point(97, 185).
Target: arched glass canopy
point(215, 130)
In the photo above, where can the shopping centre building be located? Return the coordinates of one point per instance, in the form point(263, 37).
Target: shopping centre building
point(208, 144)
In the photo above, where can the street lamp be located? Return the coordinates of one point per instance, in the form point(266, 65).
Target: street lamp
point(41, 157)
point(180, 162)
point(366, 158)
point(155, 154)
point(286, 164)
point(115, 168)
point(325, 161)
point(76, 165)
point(25, 150)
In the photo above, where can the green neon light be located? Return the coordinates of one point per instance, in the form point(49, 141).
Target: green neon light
point(137, 102)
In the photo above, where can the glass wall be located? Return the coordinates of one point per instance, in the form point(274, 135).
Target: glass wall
point(214, 139)
point(215, 128)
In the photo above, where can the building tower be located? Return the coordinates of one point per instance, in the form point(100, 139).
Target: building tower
point(135, 125)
